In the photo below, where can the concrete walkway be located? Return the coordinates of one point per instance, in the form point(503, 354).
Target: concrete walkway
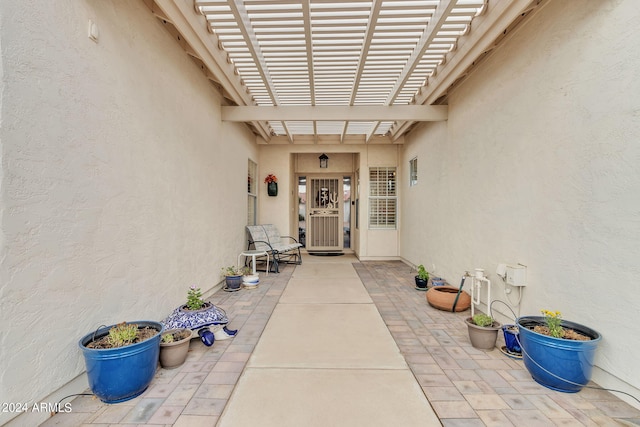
point(326, 358)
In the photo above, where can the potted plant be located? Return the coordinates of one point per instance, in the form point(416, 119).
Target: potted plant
point(272, 184)
point(233, 278)
point(198, 315)
point(483, 331)
point(557, 353)
point(174, 347)
point(511, 341)
point(174, 344)
point(422, 278)
point(121, 359)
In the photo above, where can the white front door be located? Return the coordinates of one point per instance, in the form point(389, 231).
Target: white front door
point(324, 213)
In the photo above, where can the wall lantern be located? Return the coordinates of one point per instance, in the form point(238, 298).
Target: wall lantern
point(324, 161)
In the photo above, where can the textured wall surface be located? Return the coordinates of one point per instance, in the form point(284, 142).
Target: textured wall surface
point(120, 185)
point(538, 164)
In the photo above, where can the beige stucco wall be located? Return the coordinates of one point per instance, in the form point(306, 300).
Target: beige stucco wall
point(338, 163)
point(538, 164)
point(120, 187)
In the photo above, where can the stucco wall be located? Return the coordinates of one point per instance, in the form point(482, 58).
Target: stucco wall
point(120, 185)
point(340, 163)
point(538, 164)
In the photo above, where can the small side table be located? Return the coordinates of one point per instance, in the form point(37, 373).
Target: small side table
point(253, 254)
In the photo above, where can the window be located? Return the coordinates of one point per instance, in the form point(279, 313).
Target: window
point(252, 193)
point(413, 172)
point(383, 199)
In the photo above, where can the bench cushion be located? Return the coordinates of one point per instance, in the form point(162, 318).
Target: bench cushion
point(259, 237)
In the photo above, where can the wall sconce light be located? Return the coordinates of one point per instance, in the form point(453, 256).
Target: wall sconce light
point(324, 161)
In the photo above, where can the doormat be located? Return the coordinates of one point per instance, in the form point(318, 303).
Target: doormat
point(326, 253)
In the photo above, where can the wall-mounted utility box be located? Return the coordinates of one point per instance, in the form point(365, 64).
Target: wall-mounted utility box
point(516, 275)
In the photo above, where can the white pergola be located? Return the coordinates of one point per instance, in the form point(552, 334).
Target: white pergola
point(302, 70)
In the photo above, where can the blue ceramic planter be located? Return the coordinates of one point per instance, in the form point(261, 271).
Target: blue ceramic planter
point(511, 339)
point(437, 281)
point(119, 374)
point(556, 363)
point(233, 282)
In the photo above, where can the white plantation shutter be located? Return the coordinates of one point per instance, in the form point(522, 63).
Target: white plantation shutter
point(383, 198)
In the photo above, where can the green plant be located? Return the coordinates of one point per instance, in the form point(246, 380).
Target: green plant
point(482, 319)
point(553, 319)
point(423, 274)
point(175, 335)
point(232, 271)
point(123, 334)
point(194, 298)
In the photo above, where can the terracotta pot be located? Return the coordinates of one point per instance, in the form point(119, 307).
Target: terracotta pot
point(443, 297)
point(173, 354)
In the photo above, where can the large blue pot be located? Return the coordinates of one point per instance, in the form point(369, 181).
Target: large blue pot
point(556, 363)
point(119, 374)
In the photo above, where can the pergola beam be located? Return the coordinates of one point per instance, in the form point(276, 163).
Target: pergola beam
point(368, 37)
point(204, 46)
point(367, 113)
point(244, 24)
point(435, 24)
point(308, 40)
point(482, 38)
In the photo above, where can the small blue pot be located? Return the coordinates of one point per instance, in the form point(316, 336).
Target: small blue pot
point(120, 374)
point(556, 363)
point(437, 281)
point(234, 282)
point(511, 339)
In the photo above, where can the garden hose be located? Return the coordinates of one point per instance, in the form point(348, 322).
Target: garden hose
point(455, 301)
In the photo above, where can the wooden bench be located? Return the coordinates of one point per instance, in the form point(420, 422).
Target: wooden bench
point(282, 249)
